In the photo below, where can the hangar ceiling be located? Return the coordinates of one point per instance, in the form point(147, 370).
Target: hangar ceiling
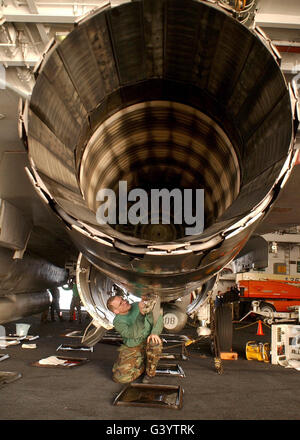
point(28, 26)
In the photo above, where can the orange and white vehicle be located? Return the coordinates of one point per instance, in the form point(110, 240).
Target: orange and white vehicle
point(275, 292)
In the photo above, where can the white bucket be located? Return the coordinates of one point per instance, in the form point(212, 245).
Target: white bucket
point(22, 329)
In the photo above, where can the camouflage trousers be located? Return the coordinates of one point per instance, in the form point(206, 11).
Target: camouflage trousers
point(133, 361)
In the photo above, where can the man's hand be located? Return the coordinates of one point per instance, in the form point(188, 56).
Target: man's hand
point(155, 339)
point(141, 307)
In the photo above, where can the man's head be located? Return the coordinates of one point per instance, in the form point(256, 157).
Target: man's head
point(118, 305)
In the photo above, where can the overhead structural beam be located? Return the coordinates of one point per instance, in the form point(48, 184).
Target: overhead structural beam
point(65, 13)
point(278, 21)
point(43, 34)
point(39, 18)
point(18, 61)
point(32, 6)
point(40, 27)
point(38, 13)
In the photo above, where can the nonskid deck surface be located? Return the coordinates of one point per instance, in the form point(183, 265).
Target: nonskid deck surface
point(247, 390)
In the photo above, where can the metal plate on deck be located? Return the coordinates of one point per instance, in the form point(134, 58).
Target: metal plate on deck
point(178, 356)
point(71, 347)
point(154, 396)
point(8, 377)
point(170, 370)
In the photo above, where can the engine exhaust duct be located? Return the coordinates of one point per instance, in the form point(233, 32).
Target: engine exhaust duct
point(161, 94)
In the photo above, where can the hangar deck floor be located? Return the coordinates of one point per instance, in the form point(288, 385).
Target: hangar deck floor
point(247, 390)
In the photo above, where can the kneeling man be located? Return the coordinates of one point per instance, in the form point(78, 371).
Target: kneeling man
point(142, 345)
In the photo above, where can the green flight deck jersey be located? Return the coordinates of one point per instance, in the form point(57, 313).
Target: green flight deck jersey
point(135, 327)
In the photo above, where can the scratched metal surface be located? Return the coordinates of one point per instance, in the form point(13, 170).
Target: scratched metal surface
point(160, 93)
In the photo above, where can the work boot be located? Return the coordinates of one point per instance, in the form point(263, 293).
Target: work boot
point(147, 379)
